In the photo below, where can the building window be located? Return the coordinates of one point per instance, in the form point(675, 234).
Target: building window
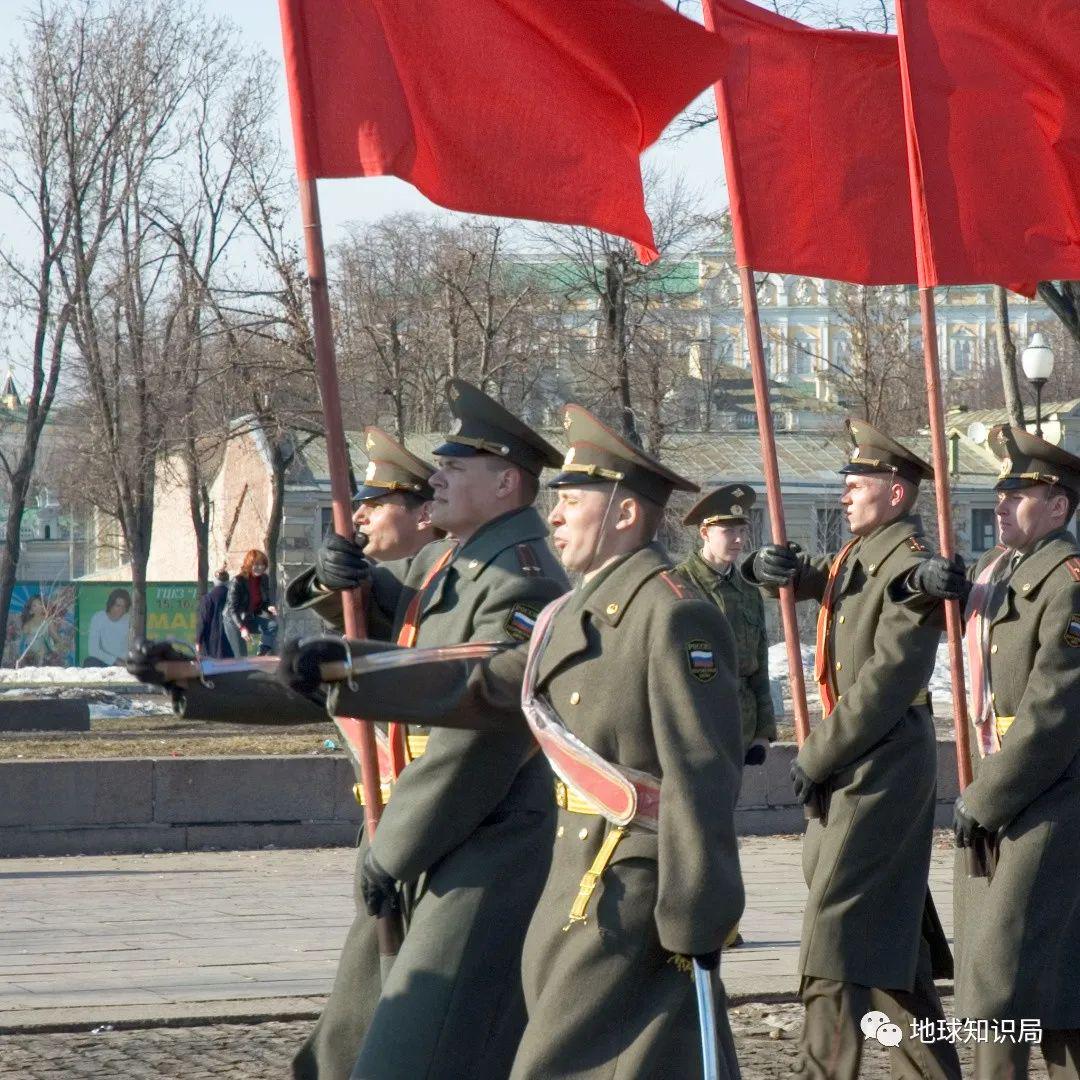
point(841, 351)
point(982, 530)
point(962, 353)
point(804, 349)
point(830, 529)
point(326, 521)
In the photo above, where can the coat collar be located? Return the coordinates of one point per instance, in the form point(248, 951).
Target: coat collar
point(490, 540)
point(614, 593)
point(873, 550)
point(1052, 551)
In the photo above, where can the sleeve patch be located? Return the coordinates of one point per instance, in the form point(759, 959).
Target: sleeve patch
point(1072, 631)
point(702, 660)
point(521, 620)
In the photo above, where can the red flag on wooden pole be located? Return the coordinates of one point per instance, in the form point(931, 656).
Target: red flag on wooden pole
point(992, 111)
point(505, 107)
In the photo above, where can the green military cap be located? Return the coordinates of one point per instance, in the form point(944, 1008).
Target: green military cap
point(392, 469)
point(1028, 460)
point(874, 452)
point(598, 456)
point(482, 426)
point(727, 505)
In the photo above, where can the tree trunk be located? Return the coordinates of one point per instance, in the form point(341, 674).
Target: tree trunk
point(1007, 358)
point(9, 560)
point(1063, 299)
point(282, 452)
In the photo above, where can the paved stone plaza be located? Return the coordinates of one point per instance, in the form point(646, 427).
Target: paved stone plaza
point(242, 945)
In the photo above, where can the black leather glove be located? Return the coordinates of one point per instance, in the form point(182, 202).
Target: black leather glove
point(965, 828)
point(340, 563)
point(378, 888)
point(710, 961)
point(755, 754)
point(777, 565)
point(805, 788)
point(941, 578)
point(144, 655)
point(300, 660)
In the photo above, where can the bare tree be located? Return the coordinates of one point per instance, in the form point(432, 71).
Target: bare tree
point(640, 336)
point(1007, 357)
point(41, 100)
point(1063, 299)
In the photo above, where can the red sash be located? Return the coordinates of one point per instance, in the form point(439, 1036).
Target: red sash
point(824, 622)
point(394, 752)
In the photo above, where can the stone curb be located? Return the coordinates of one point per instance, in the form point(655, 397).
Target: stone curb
point(141, 805)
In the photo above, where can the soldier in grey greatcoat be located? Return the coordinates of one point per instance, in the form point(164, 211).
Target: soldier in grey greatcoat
point(1018, 930)
point(872, 762)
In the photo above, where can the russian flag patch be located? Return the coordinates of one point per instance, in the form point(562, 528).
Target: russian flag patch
point(702, 660)
point(521, 620)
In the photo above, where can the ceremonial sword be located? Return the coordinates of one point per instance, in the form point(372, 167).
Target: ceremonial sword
point(706, 1003)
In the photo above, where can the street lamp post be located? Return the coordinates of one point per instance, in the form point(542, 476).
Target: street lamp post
point(1037, 361)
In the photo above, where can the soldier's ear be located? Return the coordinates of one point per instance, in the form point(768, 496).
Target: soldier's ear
point(629, 514)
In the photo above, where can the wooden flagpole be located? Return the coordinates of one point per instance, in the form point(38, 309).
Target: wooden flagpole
point(388, 927)
point(953, 621)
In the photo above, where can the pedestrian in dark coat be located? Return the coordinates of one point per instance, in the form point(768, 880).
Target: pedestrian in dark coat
point(872, 762)
point(249, 606)
point(210, 637)
point(1018, 929)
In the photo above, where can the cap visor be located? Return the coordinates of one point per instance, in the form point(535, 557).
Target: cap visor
point(455, 449)
point(576, 479)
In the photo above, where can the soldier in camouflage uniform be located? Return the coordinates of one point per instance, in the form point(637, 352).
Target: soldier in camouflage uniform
point(723, 523)
point(1018, 929)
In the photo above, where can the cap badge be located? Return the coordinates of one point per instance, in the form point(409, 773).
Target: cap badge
point(453, 393)
point(570, 454)
point(736, 510)
point(1006, 465)
point(738, 493)
point(455, 427)
point(370, 472)
point(370, 444)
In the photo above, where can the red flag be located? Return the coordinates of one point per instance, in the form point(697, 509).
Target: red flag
point(992, 102)
point(813, 129)
point(520, 108)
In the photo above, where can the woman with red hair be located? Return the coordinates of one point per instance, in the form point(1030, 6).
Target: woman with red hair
point(248, 609)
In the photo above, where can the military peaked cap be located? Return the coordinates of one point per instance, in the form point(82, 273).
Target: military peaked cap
point(727, 505)
point(1028, 460)
point(392, 469)
point(874, 453)
point(482, 426)
point(598, 456)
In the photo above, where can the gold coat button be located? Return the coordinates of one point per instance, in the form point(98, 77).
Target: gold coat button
point(1026, 586)
point(842, 618)
point(839, 666)
point(993, 648)
point(560, 830)
point(575, 697)
point(612, 609)
point(474, 563)
point(872, 567)
point(583, 834)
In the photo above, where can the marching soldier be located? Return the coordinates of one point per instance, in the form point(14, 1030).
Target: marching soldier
point(723, 524)
point(628, 686)
point(1018, 930)
point(470, 817)
point(392, 518)
point(871, 762)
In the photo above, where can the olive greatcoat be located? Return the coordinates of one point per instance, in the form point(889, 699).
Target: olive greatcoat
point(605, 998)
point(472, 820)
point(867, 864)
point(744, 609)
point(1018, 935)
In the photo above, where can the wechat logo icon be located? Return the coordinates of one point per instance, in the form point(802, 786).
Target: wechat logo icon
point(876, 1025)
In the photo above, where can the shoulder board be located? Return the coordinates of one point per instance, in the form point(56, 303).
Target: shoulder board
point(1073, 566)
point(916, 544)
point(681, 590)
point(528, 560)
